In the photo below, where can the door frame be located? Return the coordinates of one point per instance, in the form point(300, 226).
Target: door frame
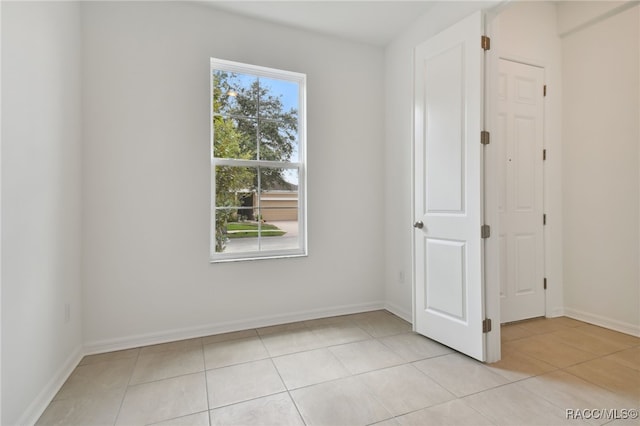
point(490, 199)
point(553, 299)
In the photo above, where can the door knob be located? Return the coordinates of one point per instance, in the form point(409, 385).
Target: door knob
point(418, 224)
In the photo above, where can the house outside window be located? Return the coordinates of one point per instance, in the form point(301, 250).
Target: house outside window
point(258, 156)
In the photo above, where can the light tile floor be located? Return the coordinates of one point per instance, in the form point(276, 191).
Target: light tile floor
point(357, 369)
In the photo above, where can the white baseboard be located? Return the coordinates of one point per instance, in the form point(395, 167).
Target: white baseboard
point(398, 311)
point(108, 345)
point(555, 312)
point(46, 395)
point(44, 398)
point(623, 327)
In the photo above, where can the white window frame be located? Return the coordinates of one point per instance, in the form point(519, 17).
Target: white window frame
point(300, 165)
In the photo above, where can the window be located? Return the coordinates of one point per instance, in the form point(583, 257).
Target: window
point(257, 162)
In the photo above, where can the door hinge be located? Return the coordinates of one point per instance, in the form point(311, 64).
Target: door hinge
point(485, 231)
point(486, 43)
point(485, 138)
point(544, 218)
point(486, 325)
point(544, 90)
point(544, 154)
point(545, 283)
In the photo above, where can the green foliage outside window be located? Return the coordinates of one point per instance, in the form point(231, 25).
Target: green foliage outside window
point(249, 123)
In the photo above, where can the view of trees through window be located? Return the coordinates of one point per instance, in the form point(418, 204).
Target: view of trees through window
point(256, 162)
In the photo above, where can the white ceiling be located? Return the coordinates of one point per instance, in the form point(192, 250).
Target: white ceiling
point(371, 22)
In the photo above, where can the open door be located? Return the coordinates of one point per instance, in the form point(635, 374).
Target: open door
point(448, 185)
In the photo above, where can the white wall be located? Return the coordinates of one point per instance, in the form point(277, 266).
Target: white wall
point(0, 220)
point(601, 172)
point(575, 15)
point(527, 32)
point(41, 203)
point(399, 147)
point(146, 177)
point(135, 196)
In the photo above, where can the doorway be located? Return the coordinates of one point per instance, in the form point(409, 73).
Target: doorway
point(447, 199)
point(519, 139)
point(451, 303)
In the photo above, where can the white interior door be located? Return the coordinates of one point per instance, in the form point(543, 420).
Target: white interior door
point(519, 139)
point(448, 262)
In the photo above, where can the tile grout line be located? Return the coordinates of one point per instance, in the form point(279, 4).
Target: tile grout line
point(126, 388)
point(206, 382)
point(587, 379)
point(571, 374)
point(327, 347)
point(355, 375)
point(532, 394)
point(459, 399)
point(598, 338)
point(526, 353)
point(351, 375)
point(293, 401)
point(324, 339)
point(179, 417)
point(129, 384)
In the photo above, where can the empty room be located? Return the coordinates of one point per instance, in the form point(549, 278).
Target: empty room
point(320, 212)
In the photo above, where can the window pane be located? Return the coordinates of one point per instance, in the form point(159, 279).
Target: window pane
point(278, 110)
point(256, 125)
point(234, 138)
point(278, 140)
point(279, 99)
point(278, 209)
point(234, 185)
point(235, 94)
point(242, 234)
point(234, 193)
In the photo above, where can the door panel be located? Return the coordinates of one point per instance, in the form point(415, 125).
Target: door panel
point(519, 141)
point(443, 88)
point(445, 290)
point(525, 250)
point(449, 304)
